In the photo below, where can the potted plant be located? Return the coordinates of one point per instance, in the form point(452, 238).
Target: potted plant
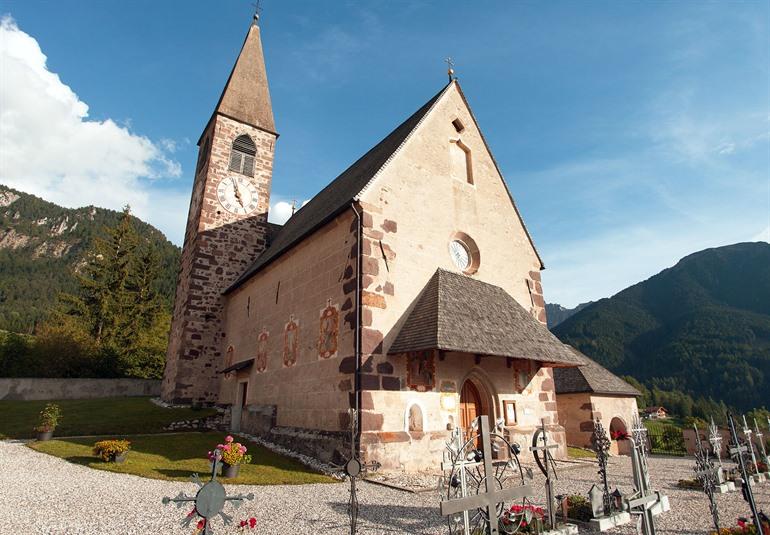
point(114, 451)
point(49, 419)
point(233, 455)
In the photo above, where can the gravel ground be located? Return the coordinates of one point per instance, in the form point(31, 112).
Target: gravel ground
point(40, 494)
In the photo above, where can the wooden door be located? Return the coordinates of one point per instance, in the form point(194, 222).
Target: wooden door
point(470, 405)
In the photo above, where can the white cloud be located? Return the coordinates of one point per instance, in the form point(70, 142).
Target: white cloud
point(763, 235)
point(281, 211)
point(50, 148)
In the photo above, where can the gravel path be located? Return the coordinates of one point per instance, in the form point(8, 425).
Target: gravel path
point(40, 494)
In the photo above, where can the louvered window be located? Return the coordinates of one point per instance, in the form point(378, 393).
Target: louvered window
point(242, 155)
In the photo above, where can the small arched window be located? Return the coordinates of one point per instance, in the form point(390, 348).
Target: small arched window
point(242, 155)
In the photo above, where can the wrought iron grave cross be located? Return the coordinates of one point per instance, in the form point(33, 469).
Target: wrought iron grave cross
point(601, 446)
point(209, 500)
point(759, 436)
point(489, 496)
point(706, 473)
point(546, 463)
point(738, 453)
point(643, 499)
point(715, 438)
point(355, 469)
point(747, 435)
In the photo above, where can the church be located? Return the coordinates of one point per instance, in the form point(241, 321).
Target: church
point(408, 288)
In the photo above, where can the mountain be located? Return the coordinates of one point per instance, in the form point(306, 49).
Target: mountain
point(557, 313)
point(702, 327)
point(41, 247)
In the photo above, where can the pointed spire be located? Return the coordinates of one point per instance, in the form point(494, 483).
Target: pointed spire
point(246, 96)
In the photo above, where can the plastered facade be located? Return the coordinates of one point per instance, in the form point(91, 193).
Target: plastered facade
point(577, 413)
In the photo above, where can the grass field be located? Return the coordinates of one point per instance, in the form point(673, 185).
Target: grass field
point(580, 453)
point(177, 456)
point(658, 425)
point(116, 416)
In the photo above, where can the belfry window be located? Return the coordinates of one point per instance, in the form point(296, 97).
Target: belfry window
point(242, 155)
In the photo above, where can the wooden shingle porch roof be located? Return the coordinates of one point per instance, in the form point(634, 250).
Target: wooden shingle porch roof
point(458, 313)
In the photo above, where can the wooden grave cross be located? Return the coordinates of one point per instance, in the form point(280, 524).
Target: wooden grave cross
point(491, 496)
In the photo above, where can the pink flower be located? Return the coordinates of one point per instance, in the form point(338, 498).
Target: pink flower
point(227, 447)
point(228, 439)
point(243, 449)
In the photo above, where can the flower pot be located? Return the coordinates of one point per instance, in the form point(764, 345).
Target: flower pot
point(119, 458)
point(230, 471)
point(44, 435)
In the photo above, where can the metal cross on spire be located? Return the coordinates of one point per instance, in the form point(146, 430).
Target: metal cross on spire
point(257, 9)
point(450, 68)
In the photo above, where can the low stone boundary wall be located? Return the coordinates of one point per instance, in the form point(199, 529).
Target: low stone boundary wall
point(26, 389)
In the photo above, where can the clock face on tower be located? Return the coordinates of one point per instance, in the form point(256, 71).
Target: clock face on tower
point(237, 195)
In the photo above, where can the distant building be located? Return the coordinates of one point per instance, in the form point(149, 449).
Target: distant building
point(655, 413)
point(590, 392)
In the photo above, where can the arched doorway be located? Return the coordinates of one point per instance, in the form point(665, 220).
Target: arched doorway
point(471, 404)
point(619, 444)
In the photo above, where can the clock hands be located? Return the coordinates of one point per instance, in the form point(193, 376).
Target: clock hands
point(237, 192)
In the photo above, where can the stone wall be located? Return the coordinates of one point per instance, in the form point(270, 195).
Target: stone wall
point(43, 389)
point(218, 247)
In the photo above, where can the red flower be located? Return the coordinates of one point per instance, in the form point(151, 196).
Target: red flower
point(252, 522)
point(201, 523)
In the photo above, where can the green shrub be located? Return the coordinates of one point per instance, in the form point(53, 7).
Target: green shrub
point(579, 508)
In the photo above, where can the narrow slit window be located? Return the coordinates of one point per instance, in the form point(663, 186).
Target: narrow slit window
point(242, 155)
point(458, 124)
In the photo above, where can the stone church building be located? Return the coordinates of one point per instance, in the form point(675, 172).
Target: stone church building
point(408, 287)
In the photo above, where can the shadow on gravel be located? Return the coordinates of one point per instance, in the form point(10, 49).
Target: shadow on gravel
point(395, 518)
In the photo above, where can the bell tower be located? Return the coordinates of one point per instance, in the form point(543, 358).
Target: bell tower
point(226, 224)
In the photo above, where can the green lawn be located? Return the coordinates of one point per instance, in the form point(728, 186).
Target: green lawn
point(658, 425)
point(116, 416)
point(177, 456)
point(580, 453)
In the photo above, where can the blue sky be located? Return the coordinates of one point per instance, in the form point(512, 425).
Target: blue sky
point(630, 133)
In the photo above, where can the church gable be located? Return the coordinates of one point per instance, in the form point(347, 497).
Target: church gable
point(443, 192)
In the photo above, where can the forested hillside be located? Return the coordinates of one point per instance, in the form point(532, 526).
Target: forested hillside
point(702, 327)
point(43, 245)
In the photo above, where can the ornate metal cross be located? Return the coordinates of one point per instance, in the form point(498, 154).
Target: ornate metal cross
point(601, 446)
point(715, 438)
point(209, 500)
point(546, 463)
point(760, 438)
point(747, 435)
point(450, 68)
point(738, 452)
point(706, 473)
point(491, 492)
point(643, 499)
point(355, 469)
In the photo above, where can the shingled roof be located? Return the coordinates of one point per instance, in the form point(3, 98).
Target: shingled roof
point(338, 195)
point(457, 313)
point(592, 377)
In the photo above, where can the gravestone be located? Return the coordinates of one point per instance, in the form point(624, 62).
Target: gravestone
point(706, 473)
point(541, 450)
point(644, 503)
point(479, 489)
point(738, 452)
point(210, 499)
point(606, 515)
